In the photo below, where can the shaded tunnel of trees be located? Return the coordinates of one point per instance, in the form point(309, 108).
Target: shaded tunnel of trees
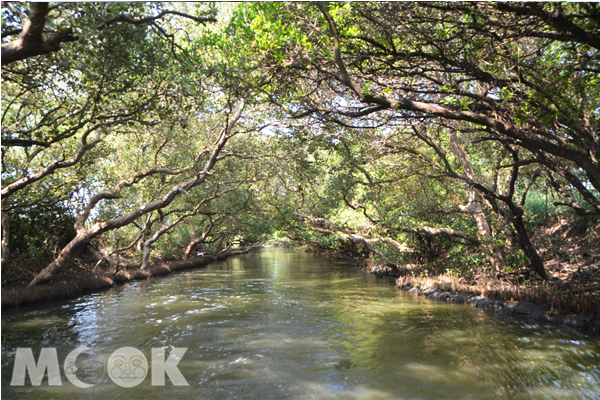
point(407, 132)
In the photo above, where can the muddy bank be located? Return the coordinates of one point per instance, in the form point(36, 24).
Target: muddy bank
point(545, 313)
point(70, 287)
point(555, 305)
point(575, 307)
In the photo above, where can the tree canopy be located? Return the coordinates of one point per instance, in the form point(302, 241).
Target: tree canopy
point(404, 131)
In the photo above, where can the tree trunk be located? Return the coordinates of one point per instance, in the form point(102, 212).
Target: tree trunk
point(61, 261)
point(193, 243)
point(360, 240)
point(146, 257)
point(198, 240)
point(118, 256)
point(190, 247)
point(5, 237)
point(148, 243)
point(192, 228)
point(474, 205)
point(536, 261)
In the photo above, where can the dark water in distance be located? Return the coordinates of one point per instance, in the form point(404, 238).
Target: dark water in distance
point(280, 324)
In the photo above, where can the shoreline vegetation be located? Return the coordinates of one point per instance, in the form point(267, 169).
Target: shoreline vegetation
point(571, 296)
point(17, 294)
point(453, 145)
point(492, 300)
point(574, 308)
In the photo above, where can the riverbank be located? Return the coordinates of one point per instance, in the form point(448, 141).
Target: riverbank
point(17, 295)
point(565, 301)
point(575, 307)
point(546, 309)
point(570, 297)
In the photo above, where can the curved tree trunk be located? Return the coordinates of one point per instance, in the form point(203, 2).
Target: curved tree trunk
point(190, 247)
point(148, 243)
point(63, 258)
point(197, 240)
point(192, 244)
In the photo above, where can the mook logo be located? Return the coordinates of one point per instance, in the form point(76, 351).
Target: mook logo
point(126, 367)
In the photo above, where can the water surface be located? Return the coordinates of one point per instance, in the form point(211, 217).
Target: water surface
point(279, 324)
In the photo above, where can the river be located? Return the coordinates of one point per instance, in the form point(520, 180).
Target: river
point(281, 324)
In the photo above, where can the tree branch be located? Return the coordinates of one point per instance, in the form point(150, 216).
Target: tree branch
point(555, 19)
point(31, 42)
point(55, 165)
point(130, 20)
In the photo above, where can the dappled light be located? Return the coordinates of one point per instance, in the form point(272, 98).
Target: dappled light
point(319, 330)
point(450, 147)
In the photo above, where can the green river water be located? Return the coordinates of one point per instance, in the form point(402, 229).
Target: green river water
point(280, 324)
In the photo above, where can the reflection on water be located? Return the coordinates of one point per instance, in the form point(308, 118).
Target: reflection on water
point(281, 324)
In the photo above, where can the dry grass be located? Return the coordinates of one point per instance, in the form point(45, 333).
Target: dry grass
point(563, 302)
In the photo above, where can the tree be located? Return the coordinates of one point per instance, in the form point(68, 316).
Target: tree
point(403, 130)
point(58, 108)
point(85, 235)
point(524, 76)
point(464, 62)
point(31, 41)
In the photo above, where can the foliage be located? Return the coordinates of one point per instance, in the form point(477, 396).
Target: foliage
point(37, 235)
point(407, 132)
